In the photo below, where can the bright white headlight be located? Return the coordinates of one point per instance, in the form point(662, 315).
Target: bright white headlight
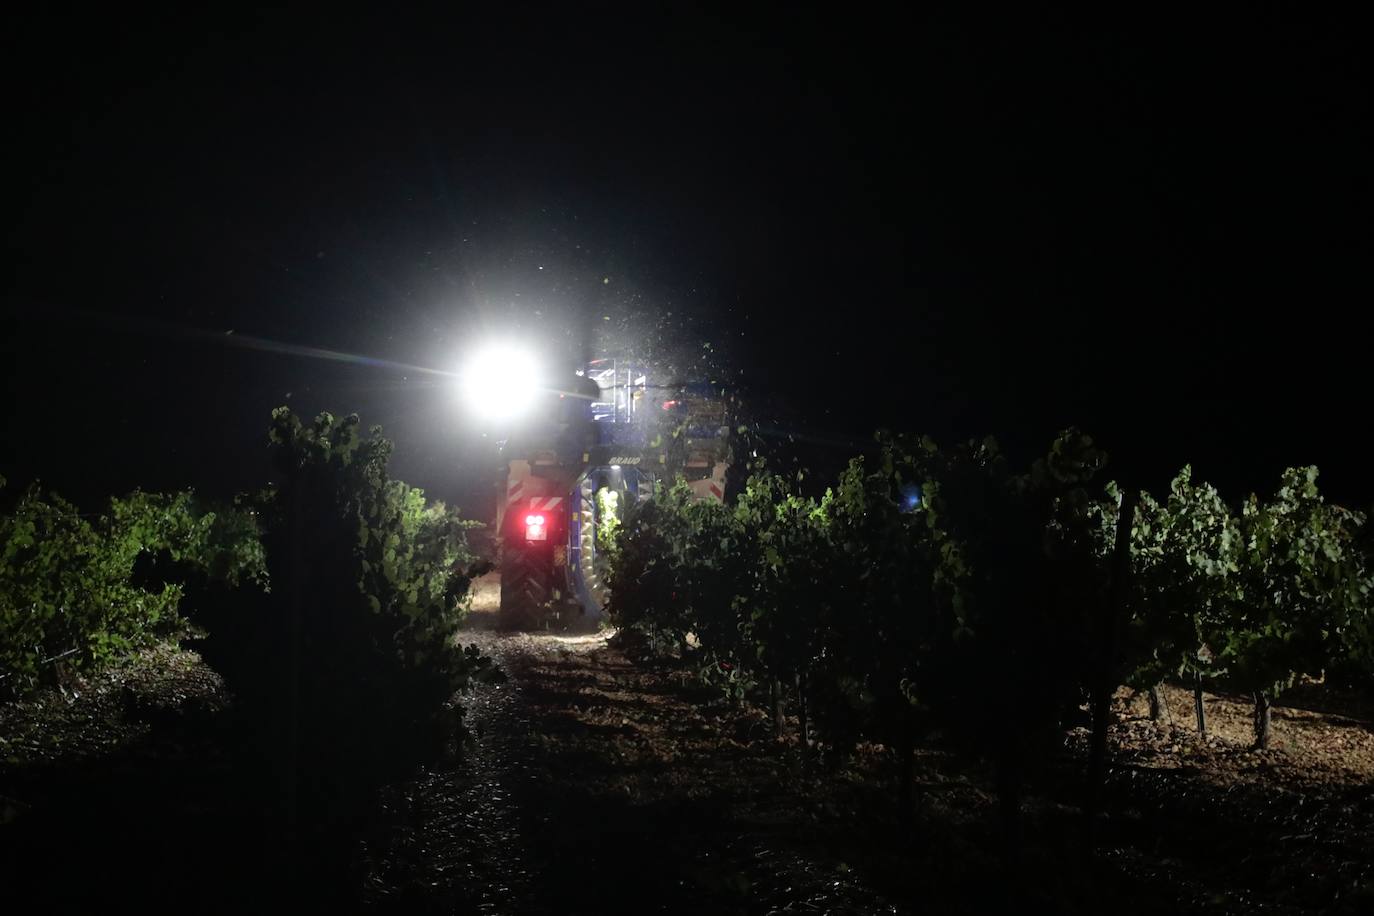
point(501, 381)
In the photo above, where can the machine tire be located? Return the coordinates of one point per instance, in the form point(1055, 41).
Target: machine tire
point(526, 590)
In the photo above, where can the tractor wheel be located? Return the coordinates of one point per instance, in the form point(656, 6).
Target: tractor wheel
point(525, 590)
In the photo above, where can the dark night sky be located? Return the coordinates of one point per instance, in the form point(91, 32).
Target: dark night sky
point(1156, 228)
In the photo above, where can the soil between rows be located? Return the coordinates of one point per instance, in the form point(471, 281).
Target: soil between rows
point(591, 784)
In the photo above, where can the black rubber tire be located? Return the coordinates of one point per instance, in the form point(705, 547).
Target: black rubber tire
point(526, 589)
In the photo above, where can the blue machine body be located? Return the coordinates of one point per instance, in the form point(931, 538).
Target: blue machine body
point(603, 451)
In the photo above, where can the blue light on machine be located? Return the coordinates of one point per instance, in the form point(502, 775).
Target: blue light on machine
point(911, 497)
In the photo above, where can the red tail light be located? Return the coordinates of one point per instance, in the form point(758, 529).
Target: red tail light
point(534, 528)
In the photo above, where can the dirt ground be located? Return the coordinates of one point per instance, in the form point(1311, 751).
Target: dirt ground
point(1309, 745)
point(591, 784)
point(680, 801)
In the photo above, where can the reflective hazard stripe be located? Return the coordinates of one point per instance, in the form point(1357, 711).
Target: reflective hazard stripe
point(537, 504)
point(716, 492)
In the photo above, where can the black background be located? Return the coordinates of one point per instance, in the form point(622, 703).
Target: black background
point(1154, 227)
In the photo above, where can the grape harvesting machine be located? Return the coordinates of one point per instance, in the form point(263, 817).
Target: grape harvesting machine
point(585, 460)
